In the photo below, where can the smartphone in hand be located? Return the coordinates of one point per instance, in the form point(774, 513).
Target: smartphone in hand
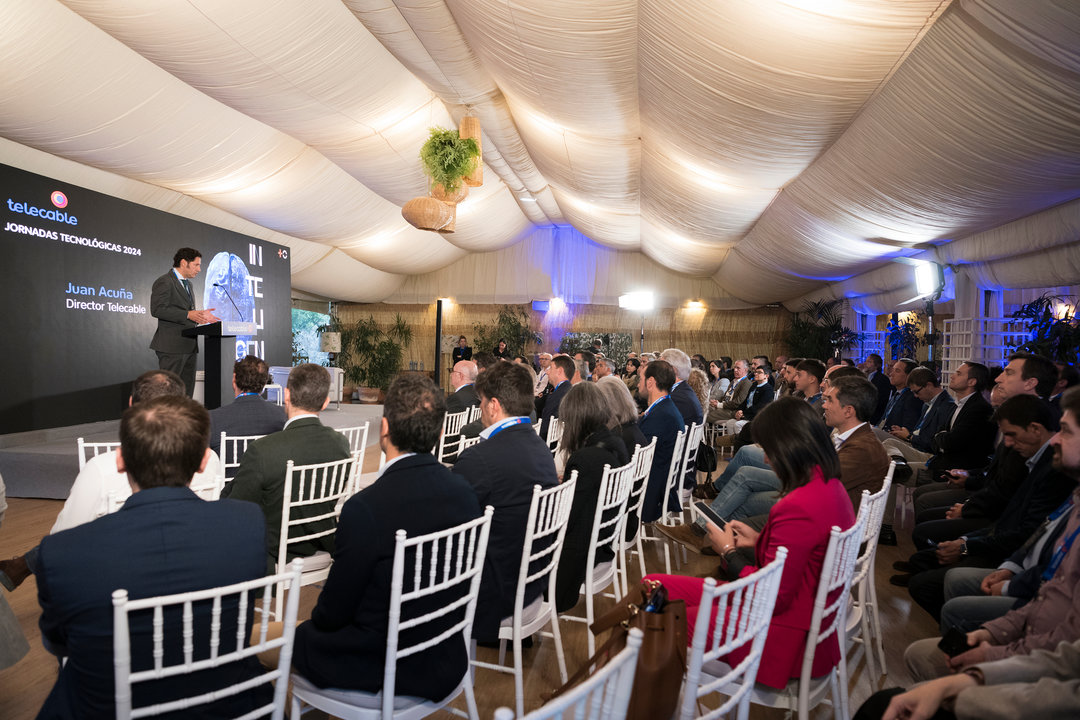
point(706, 510)
point(954, 642)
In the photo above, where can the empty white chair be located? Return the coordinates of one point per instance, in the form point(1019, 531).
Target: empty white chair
point(90, 450)
point(672, 486)
point(318, 492)
point(828, 619)
point(605, 695)
point(221, 615)
point(450, 440)
point(864, 620)
point(231, 451)
point(608, 523)
point(743, 610)
point(629, 544)
point(437, 563)
point(544, 533)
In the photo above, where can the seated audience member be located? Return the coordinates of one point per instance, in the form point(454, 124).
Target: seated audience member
point(462, 379)
point(662, 421)
point(1068, 376)
point(99, 479)
point(483, 361)
point(762, 361)
point(1027, 423)
point(749, 486)
point(1053, 616)
point(542, 381)
point(584, 356)
point(591, 443)
point(501, 351)
point(623, 412)
point(903, 409)
point(913, 447)
point(603, 369)
point(813, 501)
point(248, 413)
point(631, 376)
point(805, 379)
point(165, 540)
point(760, 395)
point(718, 384)
point(967, 440)
point(785, 376)
point(343, 645)
point(502, 470)
point(875, 373)
point(560, 372)
point(305, 441)
point(733, 399)
point(699, 383)
point(1042, 684)
point(684, 397)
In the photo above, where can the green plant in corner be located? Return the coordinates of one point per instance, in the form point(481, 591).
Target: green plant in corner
point(447, 158)
point(1052, 326)
point(818, 331)
point(904, 336)
point(370, 356)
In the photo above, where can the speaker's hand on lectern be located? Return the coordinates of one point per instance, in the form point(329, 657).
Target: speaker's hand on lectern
point(203, 316)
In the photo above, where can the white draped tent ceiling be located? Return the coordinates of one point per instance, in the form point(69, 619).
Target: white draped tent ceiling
point(761, 150)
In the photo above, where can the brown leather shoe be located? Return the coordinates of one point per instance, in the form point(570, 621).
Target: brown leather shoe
point(685, 535)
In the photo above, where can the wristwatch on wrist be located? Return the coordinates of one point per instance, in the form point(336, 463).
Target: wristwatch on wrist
point(976, 673)
point(963, 546)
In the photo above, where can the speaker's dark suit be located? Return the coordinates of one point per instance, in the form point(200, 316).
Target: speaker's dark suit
point(687, 403)
point(162, 541)
point(344, 643)
point(170, 303)
point(663, 422)
point(261, 480)
point(502, 471)
point(464, 397)
point(970, 440)
point(246, 415)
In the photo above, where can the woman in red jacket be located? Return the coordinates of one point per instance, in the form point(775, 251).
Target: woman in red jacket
point(812, 500)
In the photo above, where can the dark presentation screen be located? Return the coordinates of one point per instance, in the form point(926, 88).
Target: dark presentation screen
point(75, 296)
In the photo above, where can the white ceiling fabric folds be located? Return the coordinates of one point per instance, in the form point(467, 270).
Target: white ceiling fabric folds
point(745, 152)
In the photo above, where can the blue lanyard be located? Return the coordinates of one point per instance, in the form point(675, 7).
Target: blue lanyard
point(506, 424)
point(244, 394)
point(1059, 554)
point(658, 401)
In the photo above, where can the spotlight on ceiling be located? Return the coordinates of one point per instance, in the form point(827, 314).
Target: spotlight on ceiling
point(637, 301)
point(929, 278)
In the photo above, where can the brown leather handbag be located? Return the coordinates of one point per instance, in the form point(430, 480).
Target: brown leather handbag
point(661, 661)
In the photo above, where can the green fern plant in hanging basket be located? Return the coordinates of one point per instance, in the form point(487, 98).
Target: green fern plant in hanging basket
point(447, 158)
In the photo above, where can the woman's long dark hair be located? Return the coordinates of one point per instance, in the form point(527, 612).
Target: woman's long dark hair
point(796, 441)
point(583, 411)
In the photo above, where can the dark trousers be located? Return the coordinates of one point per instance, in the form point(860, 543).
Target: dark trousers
point(927, 585)
point(183, 364)
point(931, 532)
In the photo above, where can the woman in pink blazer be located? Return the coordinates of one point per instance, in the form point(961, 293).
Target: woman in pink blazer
point(799, 449)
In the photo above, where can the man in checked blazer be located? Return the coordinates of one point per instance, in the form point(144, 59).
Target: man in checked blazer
point(172, 302)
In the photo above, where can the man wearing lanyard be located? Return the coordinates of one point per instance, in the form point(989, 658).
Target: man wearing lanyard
point(248, 413)
point(502, 469)
point(663, 421)
point(1053, 616)
point(559, 373)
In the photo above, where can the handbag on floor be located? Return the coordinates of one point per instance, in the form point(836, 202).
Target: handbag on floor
point(662, 659)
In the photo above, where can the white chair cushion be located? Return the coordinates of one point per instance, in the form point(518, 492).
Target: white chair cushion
point(356, 698)
point(528, 613)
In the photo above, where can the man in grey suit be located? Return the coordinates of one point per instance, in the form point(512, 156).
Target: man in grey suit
point(305, 441)
point(248, 413)
point(172, 302)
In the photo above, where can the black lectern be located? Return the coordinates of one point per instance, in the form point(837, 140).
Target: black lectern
point(219, 357)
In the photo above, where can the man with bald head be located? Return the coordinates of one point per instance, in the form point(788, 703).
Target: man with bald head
point(464, 396)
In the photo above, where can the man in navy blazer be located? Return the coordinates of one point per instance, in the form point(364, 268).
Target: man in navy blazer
point(172, 302)
point(163, 540)
point(248, 413)
point(502, 469)
point(663, 421)
point(344, 643)
point(464, 396)
point(968, 438)
point(915, 446)
point(685, 399)
point(903, 409)
point(875, 373)
point(559, 372)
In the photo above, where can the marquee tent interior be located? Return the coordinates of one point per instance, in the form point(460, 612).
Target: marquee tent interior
point(740, 153)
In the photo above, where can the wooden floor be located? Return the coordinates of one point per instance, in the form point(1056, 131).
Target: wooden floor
point(23, 687)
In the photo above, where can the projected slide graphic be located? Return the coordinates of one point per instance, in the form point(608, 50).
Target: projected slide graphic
point(78, 268)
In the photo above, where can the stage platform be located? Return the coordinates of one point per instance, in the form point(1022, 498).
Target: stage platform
point(44, 463)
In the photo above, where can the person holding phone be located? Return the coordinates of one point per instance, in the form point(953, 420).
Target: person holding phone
point(812, 501)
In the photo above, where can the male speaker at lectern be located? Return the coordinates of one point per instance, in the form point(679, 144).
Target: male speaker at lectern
point(172, 302)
